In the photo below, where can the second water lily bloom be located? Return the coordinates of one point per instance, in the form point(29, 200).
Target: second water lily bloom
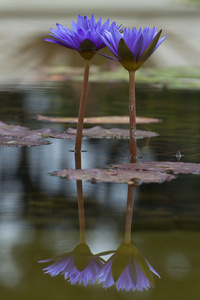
point(132, 48)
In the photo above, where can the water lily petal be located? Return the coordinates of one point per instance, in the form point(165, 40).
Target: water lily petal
point(84, 29)
point(149, 50)
point(133, 47)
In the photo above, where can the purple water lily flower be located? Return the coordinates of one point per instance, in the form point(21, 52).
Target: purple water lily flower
point(85, 36)
point(133, 47)
point(78, 265)
point(128, 269)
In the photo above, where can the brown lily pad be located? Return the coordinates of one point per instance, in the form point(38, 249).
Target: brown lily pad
point(99, 120)
point(99, 132)
point(13, 130)
point(17, 136)
point(23, 132)
point(19, 142)
point(115, 176)
point(169, 167)
point(132, 173)
point(94, 132)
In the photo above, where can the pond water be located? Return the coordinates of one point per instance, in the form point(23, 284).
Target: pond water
point(39, 213)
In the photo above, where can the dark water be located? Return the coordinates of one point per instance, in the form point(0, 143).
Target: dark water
point(39, 212)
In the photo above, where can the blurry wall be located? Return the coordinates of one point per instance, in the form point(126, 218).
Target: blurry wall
point(24, 24)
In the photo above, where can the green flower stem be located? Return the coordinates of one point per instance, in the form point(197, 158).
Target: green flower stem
point(132, 116)
point(129, 211)
point(80, 199)
point(82, 107)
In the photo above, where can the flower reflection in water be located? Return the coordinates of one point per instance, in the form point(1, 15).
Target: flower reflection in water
point(127, 268)
point(78, 265)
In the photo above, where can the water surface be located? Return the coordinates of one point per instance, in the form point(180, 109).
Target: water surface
point(39, 213)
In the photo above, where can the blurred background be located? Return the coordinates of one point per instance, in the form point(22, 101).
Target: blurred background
point(24, 24)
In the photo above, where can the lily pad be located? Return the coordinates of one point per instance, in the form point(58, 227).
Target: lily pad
point(17, 136)
point(94, 132)
point(13, 130)
point(167, 167)
point(99, 132)
point(22, 132)
point(132, 173)
point(19, 142)
point(115, 176)
point(99, 120)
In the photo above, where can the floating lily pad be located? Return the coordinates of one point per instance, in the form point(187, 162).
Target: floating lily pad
point(169, 167)
point(99, 132)
point(99, 120)
point(13, 130)
point(94, 132)
point(19, 142)
point(135, 173)
point(21, 131)
point(17, 136)
point(115, 176)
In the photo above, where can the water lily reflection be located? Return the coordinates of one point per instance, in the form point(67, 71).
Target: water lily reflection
point(127, 267)
point(77, 266)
